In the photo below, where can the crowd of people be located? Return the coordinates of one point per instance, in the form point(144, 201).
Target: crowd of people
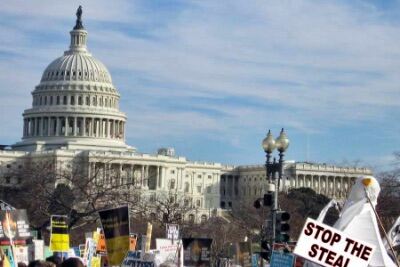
point(53, 262)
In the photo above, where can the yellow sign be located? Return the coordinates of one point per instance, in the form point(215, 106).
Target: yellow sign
point(115, 224)
point(96, 261)
point(148, 234)
point(59, 239)
point(117, 248)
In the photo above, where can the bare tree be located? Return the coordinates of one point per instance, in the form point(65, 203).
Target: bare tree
point(46, 187)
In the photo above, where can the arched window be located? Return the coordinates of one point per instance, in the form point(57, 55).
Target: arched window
point(51, 100)
point(80, 102)
point(88, 101)
point(72, 100)
point(191, 218)
point(203, 218)
point(65, 100)
point(94, 101)
point(58, 100)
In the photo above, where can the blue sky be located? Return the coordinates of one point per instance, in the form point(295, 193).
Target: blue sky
point(211, 77)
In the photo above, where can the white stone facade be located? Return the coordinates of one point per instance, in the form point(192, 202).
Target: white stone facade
point(245, 184)
point(75, 116)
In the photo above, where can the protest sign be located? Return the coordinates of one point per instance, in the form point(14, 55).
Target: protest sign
point(134, 259)
point(169, 251)
point(115, 224)
point(14, 227)
point(281, 259)
point(21, 254)
point(148, 235)
point(132, 241)
point(101, 245)
point(172, 231)
point(196, 251)
point(36, 250)
point(90, 247)
point(59, 239)
point(9, 255)
point(254, 260)
point(329, 247)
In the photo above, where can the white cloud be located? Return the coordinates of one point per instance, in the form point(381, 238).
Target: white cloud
point(310, 64)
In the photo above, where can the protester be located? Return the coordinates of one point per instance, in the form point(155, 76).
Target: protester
point(40, 263)
point(72, 262)
point(22, 264)
point(55, 259)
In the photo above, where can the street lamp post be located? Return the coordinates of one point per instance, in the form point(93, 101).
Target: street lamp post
point(269, 145)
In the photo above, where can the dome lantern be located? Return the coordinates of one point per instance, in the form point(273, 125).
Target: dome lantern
point(78, 36)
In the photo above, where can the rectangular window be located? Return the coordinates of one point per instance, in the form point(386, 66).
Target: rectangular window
point(199, 189)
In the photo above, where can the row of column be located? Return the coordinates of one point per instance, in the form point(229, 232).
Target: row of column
point(330, 185)
point(75, 100)
point(73, 126)
point(229, 186)
point(143, 176)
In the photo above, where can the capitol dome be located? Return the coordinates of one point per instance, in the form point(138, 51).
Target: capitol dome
point(75, 105)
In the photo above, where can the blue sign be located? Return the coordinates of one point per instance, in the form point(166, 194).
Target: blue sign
point(281, 259)
point(254, 260)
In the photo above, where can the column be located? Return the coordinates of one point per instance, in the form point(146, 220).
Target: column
point(40, 125)
point(35, 132)
point(158, 178)
point(319, 184)
point(83, 133)
point(90, 126)
point(48, 126)
point(65, 126)
point(122, 130)
point(111, 129)
point(116, 129)
point(58, 126)
point(142, 181)
point(24, 129)
point(147, 176)
point(75, 127)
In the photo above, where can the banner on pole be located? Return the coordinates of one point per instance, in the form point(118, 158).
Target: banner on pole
point(172, 231)
point(59, 239)
point(328, 246)
point(115, 224)
point(14, 226)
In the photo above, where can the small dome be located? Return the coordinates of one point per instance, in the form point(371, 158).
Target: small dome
point(76, 67)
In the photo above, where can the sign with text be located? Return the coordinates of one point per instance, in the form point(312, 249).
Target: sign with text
point(14, 225)
point(172, 231)
point(134, 259)
point(115, 224)
point(169, 251)
point(330, 247)
point(281, 259)
point(59, 239)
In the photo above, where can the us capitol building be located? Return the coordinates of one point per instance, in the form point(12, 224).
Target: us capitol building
point(75, 116)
